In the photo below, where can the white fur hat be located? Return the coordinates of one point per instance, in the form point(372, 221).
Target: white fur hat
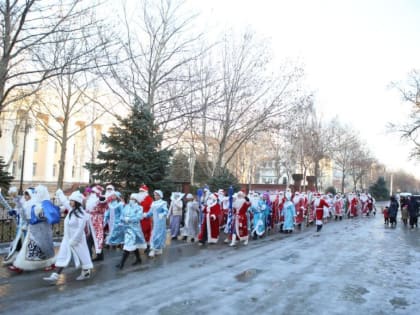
point(76, 196)
point(190, 196)
point(159, 192)
point(13, 190)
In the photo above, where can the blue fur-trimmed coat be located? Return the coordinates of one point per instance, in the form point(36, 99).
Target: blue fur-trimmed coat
point(159, 211)
point(130, 218)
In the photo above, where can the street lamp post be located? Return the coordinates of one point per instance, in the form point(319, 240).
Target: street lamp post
point(25, 132)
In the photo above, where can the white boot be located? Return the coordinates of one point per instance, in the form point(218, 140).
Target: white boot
point(53, 277)
point(84, 275)
point(158, 251)
point(233, 243)
point(246, 241)
point(152, 253)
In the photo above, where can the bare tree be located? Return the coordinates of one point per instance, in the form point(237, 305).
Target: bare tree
point(26, 27)
point(359, 166)
point(410, 92)
point(345, 142)
point(248, 102)
point(72, 98)
point(157, 49)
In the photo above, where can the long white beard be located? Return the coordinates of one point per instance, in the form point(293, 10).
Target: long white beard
point(91, 202)
point(238, 203)
point(142, 195)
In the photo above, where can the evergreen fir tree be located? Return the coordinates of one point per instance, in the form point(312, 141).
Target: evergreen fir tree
point(379, 190)
point(134, 156)
point(224, 181)
point(5, 177)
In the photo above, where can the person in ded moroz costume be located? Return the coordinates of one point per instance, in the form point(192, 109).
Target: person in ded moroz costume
point(210, 224)
point(146, 223)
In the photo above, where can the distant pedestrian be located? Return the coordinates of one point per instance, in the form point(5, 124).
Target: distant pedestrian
point(385, 212)
point(413, 212)
point(393, 211)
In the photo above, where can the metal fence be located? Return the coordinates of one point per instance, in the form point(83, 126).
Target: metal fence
point(8, 227)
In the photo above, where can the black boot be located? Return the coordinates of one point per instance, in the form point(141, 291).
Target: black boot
point(99, 257)
point(123, 259)
point(138, 259)
point(147, 250)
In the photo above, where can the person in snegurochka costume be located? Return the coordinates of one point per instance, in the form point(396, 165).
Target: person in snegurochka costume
point(96, 206)
point(338, 207)
point(240, 221)
point(147, 222)
point(289, 212)
point(37, 250)
point(210, 225)
point(116, 231)
point(268, 211)
point(73, 245)
point(175, 214)
point(159, 211)
point(191, 219)
point(16, 211)
point(133, 235)
point(319, 204)
point(258, 209)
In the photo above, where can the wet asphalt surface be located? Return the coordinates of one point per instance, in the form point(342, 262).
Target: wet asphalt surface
point(356, 266)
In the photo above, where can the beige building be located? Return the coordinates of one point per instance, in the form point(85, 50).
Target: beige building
point(36, 151)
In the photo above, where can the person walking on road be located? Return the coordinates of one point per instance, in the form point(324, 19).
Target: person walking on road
point(393, 211)
point(74, 244)
point(413, 212)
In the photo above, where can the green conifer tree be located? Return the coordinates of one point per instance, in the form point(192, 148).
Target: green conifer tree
point(133, 154)
point(379, 189)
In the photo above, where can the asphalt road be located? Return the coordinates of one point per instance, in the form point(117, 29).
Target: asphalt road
point(356, 266)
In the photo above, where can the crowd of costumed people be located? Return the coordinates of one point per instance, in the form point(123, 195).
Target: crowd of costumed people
point(101, 218)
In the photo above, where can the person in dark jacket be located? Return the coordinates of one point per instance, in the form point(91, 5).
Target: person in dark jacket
point(413, 212)
point(393, 211)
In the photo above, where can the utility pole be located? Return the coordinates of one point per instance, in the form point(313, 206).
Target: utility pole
point(390, 184)
point(25, 132)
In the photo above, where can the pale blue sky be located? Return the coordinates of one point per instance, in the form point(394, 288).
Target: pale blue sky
point(351, 51)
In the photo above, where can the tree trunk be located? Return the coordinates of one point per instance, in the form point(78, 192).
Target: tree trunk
point(63, 152)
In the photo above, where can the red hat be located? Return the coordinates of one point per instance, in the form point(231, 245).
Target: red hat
point(144, 188)
point(98, 189)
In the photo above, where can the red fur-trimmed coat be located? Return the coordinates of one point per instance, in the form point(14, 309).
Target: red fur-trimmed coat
point(240, 208)
point(146, 223)
point(210, 224)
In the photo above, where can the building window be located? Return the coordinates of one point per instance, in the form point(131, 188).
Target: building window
point(54, 169)
point(73, 171)
point(34, 169)
point(36, 145)
point(55, 146)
